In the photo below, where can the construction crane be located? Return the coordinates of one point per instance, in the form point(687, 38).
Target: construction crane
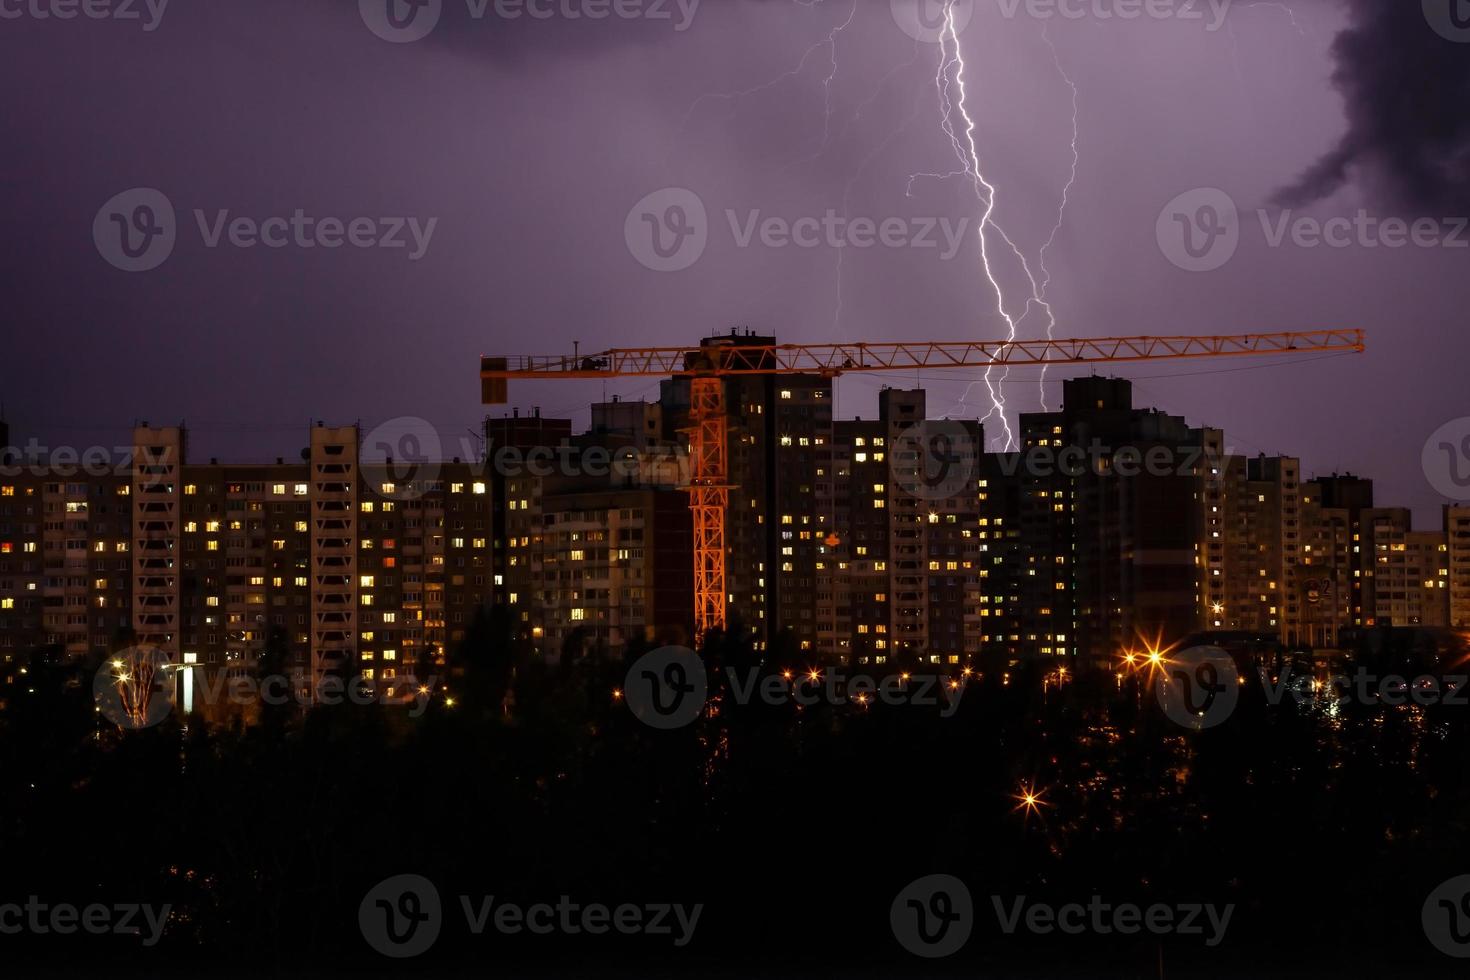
point(708, 364)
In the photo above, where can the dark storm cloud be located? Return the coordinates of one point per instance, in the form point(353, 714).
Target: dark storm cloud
point(1407, 90)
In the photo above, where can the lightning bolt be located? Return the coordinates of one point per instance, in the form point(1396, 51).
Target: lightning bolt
point(829, 43)
point(953, 95)
point(1062, 207)
point(1290, 14)
point(832, 75)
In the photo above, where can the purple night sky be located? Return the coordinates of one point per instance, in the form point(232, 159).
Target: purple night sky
point(530, 141)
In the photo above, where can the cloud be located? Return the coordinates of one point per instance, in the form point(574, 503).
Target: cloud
point(1407, 89)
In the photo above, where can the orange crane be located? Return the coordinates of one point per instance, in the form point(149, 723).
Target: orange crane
point(720, 357)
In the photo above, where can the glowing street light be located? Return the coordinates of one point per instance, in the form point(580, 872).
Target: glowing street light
point(1030, 801)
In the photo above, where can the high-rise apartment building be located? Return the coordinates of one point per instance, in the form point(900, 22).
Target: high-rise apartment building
point(1095, 528)
point(594, 543)
point(354, 569)
point(900, 568)
point(1406, 574)
point(1457, 547)
point(780, 508)
point(1327, 582)
point(1263, 547)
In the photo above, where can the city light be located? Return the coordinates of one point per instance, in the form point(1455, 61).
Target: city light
point(1029, 801)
